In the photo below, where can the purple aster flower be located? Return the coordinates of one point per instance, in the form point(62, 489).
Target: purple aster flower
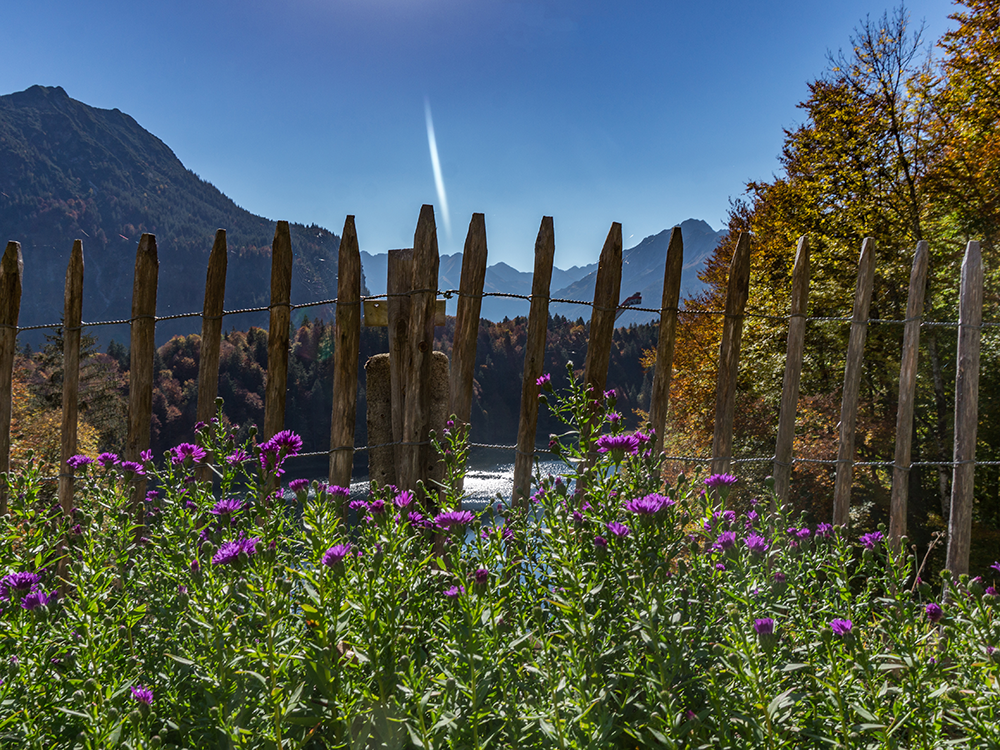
point(609, 394)
point(286, 442)
point(142, 694)
point(132, 467)
point(77, 461)
point(991, 591)
point(803, 533)
point(614, 418)
point(725, 540)
point(37, 598)
point(298, 485)
point(229, 552)
point(618, 446)
point(403, 499)
point(417, 519)
point(227, 507)
point(481, 576)
point(336, 554)
point(824, 530)
point(358, 505)
point(453, 519)
point(618, 529)
point(995, 566)
point(377, 506)
point(757, 544)
point(544, 381)
point(454, 591)
point(190, 505)
point(19, 583)
point(336, 491)
point(729, 517)
point(720, 566)
point(187, 453)
point(763, 626)
point(146, 456)
point(648, 505)
point(107, 460)
point(238, 457)
point(195, 566)
point(871, 540)
point(841, 627)
point(600, 542)
point(720, 481)
point(779, 577)
point(934, 612)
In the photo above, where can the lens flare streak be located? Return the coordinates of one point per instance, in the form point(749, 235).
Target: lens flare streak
point(436, 164)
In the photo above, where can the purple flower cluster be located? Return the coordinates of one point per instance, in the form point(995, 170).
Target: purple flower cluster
point(934, 612)
point(227, 507)
point(187, 454)
point(454, 591)
point(336, 554)
point(452, 520)
point(619, 530)
point(618, 446)
point(870, 541)
point(27, 588)
point(648, 505)
point(230, 551)
point(142, 694)
point(841, 627)
point(757, 544)
point(298, 485)
point(720, 481)
point(75, 462)
point(763, 626)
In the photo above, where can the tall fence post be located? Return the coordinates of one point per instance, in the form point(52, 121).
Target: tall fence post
point(11, 274)
point(852, 384)
point(142, 354)
point(907, 393)
point(399, 283)
point(660, 397)
point(470, 302)
point(970, 322)
point(602, 321)
point(416, 455)
point(534, 359)
point(345, 357)
point(793, 372)
point(211, 329)
point(72, 317)
point(277, 332)
point(737, 293)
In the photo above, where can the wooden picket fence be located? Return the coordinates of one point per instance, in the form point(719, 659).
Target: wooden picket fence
point(412, 294)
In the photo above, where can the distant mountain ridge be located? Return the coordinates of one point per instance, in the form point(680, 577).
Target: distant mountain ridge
point(642, 271)
point(69, 171)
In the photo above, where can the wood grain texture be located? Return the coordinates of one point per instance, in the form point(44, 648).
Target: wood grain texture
point(470, 302)
point(142, 354)
point(970, 321)
point(907, 393)
point(660, 396)
point(737, 292)
point(417, 456)
point(852, 384)
point(534, 359)
point(793, 372)
point(277, 333)
point(398, 286)
point(211, 327)
point(11, 276)
point(345, 358)
point(72, 317)
point(602, 320)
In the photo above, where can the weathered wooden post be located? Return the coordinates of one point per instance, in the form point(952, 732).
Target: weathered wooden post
point(852, 384)
point(398, 286)
point(277, 333)
point(793, 372)
point(970, 322)
point(416, 455)
point(11, 273)
point(72, 319)
point(211, 328)
point(142, 354)
point(602, 320)
point(660, 397)
point(907, 393)
point(470, 302)
point(345, 362)
point(534, 359)
point(737, 293)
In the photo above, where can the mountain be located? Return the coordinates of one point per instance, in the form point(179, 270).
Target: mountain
point(70, 171)
point(499, 278)
point(642, 271)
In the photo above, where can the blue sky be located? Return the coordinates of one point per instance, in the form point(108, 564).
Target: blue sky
point(646, 113)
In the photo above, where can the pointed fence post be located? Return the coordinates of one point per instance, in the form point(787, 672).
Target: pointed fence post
point(398, 285)
point(416, 463)
point(907, 393)
point(11, 274)
point(211, 330)
point(852, 384)
point(142, 354)
point(72, 317)
point(534, 360)
point(970, 323)
point(470, 302)
point(737, 293)
point(277, 332)
point(793, 372)
point(602, 320)
point(345, 357)
point(660, 397)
